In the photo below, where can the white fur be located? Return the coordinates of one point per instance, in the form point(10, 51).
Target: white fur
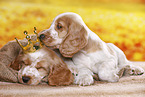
point(37, 56)
point(101, 62)
point(30, 69)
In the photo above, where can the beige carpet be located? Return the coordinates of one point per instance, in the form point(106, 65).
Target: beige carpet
point(133, 86)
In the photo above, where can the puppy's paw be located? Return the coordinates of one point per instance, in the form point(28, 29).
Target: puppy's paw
point(134, 71)
point(84, 80)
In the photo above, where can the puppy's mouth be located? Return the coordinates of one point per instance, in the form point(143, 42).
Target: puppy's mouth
point(50, 46)
point(45, 38)
point(48, 41)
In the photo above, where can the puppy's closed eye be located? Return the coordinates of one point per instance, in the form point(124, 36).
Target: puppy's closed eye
point(39, 66)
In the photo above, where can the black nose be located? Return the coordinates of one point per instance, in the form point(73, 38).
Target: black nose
point(42, 36)
point(25, 79)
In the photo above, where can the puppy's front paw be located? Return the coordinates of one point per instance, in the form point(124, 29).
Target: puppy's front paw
point(84, 80)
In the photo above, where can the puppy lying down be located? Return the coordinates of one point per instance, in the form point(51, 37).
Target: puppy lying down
point(89, 53)
point(42, 64)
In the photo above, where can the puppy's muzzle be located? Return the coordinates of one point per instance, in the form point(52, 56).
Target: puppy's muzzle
point(25, 79)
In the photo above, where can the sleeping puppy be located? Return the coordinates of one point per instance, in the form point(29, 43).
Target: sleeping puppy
point(40, 64)
point(89, 53)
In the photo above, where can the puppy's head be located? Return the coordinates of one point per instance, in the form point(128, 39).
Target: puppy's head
point(35, 67)
point(43, 63)
point(67, 32)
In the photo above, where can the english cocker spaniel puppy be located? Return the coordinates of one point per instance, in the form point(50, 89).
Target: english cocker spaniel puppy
point(41, 64)
point(90, 55)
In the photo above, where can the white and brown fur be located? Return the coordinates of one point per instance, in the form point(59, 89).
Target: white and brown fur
point(89, 53)
point(43, 63)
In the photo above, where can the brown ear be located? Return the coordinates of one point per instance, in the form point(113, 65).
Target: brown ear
point(16, 63)
point(60, 75)
point(75, 41)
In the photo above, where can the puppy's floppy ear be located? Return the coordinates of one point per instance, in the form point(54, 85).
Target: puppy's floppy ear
point(16, 63)
point(75, 41)
point(60, 75)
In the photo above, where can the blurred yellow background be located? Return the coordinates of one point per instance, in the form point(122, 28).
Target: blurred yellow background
point(121, 22)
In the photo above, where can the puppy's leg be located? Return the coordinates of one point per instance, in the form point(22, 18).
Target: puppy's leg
point(123, 63)
point(81, 65)
point(108, 72)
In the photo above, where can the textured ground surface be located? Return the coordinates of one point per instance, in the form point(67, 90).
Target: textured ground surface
point(133, 86)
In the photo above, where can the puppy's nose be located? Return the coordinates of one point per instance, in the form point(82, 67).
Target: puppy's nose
point(42, 36)
point(25, 79)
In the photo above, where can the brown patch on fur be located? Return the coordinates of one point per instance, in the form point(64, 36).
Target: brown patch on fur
point(53, 67)
point(20, 60)
point(41, 65)
point(26, 60)
point(72, 31)
point(59, 74)
point(120, 73)
point(61, 27)
point(92, 46)
point(76, 38)
point(16, 64)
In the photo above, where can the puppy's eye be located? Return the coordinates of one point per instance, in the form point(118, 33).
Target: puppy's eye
point(59, 26)
point(40, 68)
